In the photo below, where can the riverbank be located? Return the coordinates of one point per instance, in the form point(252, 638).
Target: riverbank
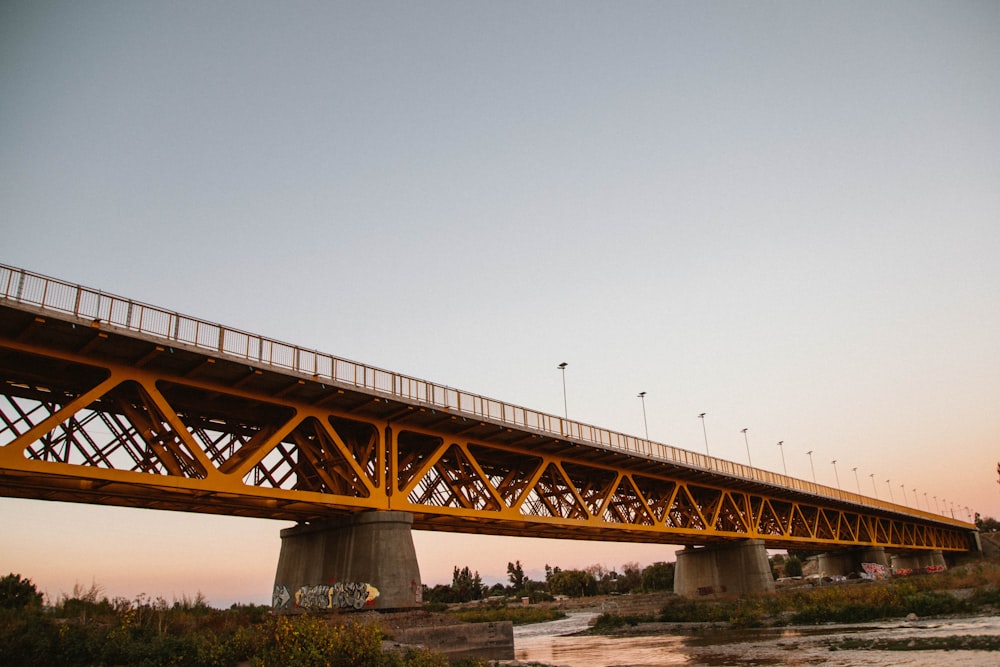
point(957, 642)
point(949, 617)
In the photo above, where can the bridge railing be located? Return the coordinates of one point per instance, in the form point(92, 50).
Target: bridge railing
point(100, 308)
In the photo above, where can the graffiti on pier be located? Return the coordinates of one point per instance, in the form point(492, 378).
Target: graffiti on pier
point(338, 595)
point(874, 571)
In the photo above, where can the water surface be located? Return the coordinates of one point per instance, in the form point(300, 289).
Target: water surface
point(802, 645)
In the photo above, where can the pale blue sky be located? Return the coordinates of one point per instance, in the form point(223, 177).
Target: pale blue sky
point(784, 214)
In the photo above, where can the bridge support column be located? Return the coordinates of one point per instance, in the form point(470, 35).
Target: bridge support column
point(844, 562)
point(365, 561)
point(918, 560)
point(723, 570)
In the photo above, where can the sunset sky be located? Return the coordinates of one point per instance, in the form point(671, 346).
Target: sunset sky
point(785, 215)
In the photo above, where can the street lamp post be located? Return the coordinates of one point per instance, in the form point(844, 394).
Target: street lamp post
point(873, 485)
point(835, 473)
point(642, 397)
point(747, 440)
point(811, 466)
point(562, 367)
point(903, 488)
point(890, 491)
point(704, 431)
point(857, 480)
point(781, 448)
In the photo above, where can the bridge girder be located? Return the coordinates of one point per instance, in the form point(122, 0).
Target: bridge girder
point(95, 414)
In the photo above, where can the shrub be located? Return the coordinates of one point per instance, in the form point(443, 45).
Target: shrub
point(793, 567)
point(18, 593)
point(307, 640)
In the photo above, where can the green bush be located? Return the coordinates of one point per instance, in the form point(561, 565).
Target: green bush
point(606, 623)
point(308, 641)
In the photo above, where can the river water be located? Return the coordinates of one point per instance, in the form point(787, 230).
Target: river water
point(548, 644)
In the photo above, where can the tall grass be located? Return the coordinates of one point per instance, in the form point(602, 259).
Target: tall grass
point(86, 629)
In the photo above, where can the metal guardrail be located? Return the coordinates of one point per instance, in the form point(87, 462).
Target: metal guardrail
point(21, 286)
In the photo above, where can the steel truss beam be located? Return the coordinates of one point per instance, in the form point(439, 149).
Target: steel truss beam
point(87, 421)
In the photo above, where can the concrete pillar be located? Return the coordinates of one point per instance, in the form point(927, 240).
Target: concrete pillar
point(846, 561)
point(365, 561)
point(723, 570)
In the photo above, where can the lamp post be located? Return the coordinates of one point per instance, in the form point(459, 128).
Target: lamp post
point(747, 440)
point(857, 480)
point(704, 431)
point(835, 473)
point(936, 505)
point(781, 448)
point(890, 491)
point(873, 485)
point(562, 367)
point(811, 466)
point(903, 488)
point(642, 397)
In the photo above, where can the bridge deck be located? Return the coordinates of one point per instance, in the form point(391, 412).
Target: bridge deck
point(108, 400)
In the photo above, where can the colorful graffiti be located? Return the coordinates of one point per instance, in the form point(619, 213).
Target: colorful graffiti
point(338, 595)
point(874, 571)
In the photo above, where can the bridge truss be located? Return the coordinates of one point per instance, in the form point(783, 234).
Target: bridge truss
point(91, 412)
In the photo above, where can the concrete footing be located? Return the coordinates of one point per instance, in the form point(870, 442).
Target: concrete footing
point(365, 561)
point(723, 570)
point(918, 560)
point(489, 641)
point(846, 561)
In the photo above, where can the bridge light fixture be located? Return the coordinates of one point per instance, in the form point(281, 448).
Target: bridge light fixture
point(747, 441)
point(645, 424)
point(903, 488)
point(562, 367)
point(781, 448)
point(857, 480)
point(835, 473)
point(704, 431)
point(890, 491)
point(811, 466)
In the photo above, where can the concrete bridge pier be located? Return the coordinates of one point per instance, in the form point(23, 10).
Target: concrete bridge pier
point(918, 560)
point(845, 561)
point(364, 561)
point(723, 570)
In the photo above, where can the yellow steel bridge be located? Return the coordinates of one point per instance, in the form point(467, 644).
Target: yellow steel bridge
point(106, 400)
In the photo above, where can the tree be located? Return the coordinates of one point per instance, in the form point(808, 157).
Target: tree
point(18, 593)
point(465, 585)
point(574, 583)
point(987, 524)
point(658, 577)
point(516, 575)
point(793, 567)
point(630, 578)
